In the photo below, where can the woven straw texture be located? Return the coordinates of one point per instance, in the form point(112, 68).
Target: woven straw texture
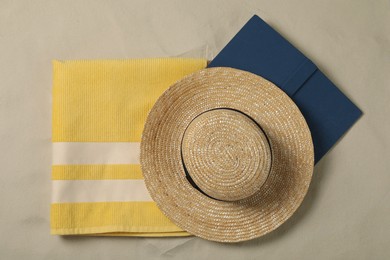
point(242, 141)
point(226, 154)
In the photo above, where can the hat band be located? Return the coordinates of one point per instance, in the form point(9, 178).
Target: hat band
point(237, 150)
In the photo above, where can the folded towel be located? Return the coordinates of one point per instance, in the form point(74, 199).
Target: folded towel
point(99, 110)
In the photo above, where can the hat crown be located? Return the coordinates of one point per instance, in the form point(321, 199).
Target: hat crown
point(226, 154)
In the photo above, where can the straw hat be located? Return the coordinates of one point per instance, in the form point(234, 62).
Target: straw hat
point(226, 155)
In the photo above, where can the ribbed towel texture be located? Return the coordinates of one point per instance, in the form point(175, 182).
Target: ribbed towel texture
point(99, 110)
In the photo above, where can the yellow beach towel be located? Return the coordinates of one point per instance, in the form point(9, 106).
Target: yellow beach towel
point(99, 110)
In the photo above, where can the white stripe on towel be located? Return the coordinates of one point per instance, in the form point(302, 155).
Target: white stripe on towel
point(99, 191)
point(95, 153)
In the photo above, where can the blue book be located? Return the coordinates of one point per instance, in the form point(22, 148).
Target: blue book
point(259, 49)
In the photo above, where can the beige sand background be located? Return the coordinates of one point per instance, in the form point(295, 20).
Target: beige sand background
point(346, 214)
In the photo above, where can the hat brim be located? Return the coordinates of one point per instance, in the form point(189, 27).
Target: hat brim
point(280, 119)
